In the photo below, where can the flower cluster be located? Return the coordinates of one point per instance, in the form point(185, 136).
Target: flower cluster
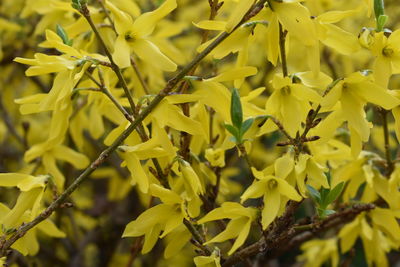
point(212, 132)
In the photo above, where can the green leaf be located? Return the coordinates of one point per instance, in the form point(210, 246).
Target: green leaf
point(334, 193)
point(232, 129)
point(77, 4)
point(63, 34)
point(381, 22)
point(379, 8)
point(246, 126)
point(236, 109)
point(326, 213)
point(315, 195)
point(324, 193)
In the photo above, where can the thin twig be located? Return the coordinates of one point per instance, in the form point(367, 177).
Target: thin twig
point(282, 49)
point(140, 76)
point(86, 14)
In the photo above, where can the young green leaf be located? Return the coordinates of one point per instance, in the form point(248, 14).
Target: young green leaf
point(232, 130)
point(315, 195)
point(62, 33)
point(236, 109)
point(334, 193)
point(381, 22)
point(379, 8)
point(325, 213)
point(246, 126)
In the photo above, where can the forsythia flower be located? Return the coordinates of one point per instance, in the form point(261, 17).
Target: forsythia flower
point(354, 92)
point(289, 103)
point(239, 226)
point(132, 36)
point(273, 190)
point(25, 209)
point(387, 53)
point(296, 19)
point(216, 157)
point(316, 252)
point(308, 167)
point(164, 217)
point(207, 261)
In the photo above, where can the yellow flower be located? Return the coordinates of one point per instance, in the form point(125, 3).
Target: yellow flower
point(213, 93)
point(296, 19)
point(238, 227)
point(216, 157)
point(133, 36)
point(192, 182)
point(273, 190)
point(387, 53)
point(308, 167)
point(289, 103)
point(164, 217)
point(208, 261)
point(333, 36)
point(317, 252)
point(354, 92)
point(379, 226)
point(26, 208)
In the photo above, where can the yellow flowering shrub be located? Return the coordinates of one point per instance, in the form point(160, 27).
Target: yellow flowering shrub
point(199, 133)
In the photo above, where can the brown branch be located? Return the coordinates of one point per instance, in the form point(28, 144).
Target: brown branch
point(86, 14)
point(284, 240)
point(282, 49)
point(389, 161)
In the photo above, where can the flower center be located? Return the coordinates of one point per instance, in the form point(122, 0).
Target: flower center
point(285, 90)
point(129, 36)
point(387, 51)
point(272, 184)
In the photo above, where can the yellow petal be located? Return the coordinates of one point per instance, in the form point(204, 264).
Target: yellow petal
point(244, 232)
point(255, 190)
point(147, 220)
point(283, 166)
point(123, 22)
point(273, 40)
point(65, 153)
point(213, 25)
point(145, 23)
point(122, 52)
point(348, 235)
point(333, 96)
point(340, 40)
point(151, 238)
point(166, 196)
point(49, 163)
point(355, 115)
point(287, 190)
point(272, 200)
point(49, 228)
point(240, 10)
point(232, 230)
point(25, 202)
point(297, 20)
point(138, 174)
point(190, 177)
point(13, 179)
point(171, 115)
point(376, 94)
point(233, 74)
point(150, 53)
